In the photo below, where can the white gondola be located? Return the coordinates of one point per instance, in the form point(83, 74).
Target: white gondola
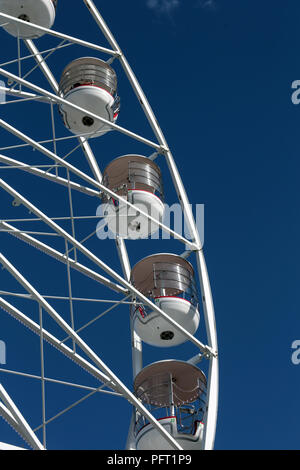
point(39, 12)
point(89, 83)
point(138, 180)
point(175, 394)
point(168, 280)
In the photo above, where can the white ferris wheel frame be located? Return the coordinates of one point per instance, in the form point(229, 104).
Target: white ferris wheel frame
point(120, 284)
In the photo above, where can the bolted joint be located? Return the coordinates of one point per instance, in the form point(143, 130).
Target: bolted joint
point(163, 150)
point(118, 54)
point(209, 353)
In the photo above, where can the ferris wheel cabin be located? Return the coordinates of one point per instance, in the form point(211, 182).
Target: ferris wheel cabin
point(89, 83)
point(39, 12)
point(175, 394)
point(168, 280)
point(138, 180)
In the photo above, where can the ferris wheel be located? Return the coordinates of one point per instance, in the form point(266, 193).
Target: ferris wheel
point(55, 125)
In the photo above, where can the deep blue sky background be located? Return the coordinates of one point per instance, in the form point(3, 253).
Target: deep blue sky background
point(218, 76)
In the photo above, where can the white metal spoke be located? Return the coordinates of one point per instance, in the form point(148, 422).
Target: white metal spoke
point(42, 64)
point(54, 135)
point(97, 317)
point(76, 217)
point(74, 299)
point(51, 32)
point(203, 275)
point(19, 62)
point(21, 93)
point(36, 66)
point(56, 343)
point(21, 100)
point(70, 294)
point(44, 174)
point(42, 374)
point(70, 407)
point(87, 350)
point(31, 56)
point(7, 415)
point(47, 141)
point(49, 309)
point(62, 258)
point(71, 214)
point(27, 232)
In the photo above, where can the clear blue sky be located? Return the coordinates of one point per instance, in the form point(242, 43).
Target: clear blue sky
point(218, 75)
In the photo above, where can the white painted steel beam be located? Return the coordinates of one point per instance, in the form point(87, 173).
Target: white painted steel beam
point(51, 32)
point(49, 176)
